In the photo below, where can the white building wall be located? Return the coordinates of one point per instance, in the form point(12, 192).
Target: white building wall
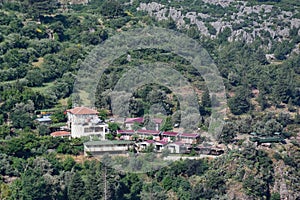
point(78, 124)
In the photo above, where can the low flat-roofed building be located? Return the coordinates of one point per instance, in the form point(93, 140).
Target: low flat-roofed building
point(107, 146)
point(177, 147)
point(158, 146)
point(44, 120)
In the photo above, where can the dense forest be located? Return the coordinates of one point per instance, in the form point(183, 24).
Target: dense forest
point(42, 46)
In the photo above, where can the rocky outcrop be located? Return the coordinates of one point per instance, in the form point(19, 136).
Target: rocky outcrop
point(246, 23)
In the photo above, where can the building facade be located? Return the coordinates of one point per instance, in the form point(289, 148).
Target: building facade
point(107, 146)
point(83, 121)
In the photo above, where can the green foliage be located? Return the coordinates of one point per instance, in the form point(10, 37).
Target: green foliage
point(76, 187)
point(240, 103)
point(282, 50)
point(94, 182)
point(206, 102)
point(39, 8)
point(59, 116)
point(109, 136)
point(113, 127)
point(167, 124)
point(22, 115)
point(111, 8)
point(4, 131)
point(275, 196)
point(103, 114)
point(42, 46)
point(228, 133)
point(68, 163)
point(43, 130)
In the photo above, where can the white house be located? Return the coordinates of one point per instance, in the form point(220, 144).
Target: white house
point(129, 122)
point(126, 134)
point(84, 121)
point(158, 146)
point(177, 147)
point(169, 136)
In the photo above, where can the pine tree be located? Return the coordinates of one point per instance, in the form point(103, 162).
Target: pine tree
point(76, 189)
point(167, 125)
point(290, 105)
point(240, 103)
point(94, 184)
point(262, 101)
point(39, 8)
point(205, 99)
point(297, 117)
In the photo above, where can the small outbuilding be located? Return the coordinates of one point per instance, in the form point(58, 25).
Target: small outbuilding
point(177, 147)
point(61, 134)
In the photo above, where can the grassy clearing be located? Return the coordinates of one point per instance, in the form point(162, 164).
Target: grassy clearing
point(44, 88)
point(39, 62)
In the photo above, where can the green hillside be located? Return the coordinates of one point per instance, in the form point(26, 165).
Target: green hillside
point(255, 46)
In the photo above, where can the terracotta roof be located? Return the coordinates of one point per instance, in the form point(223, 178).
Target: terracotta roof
point(60, 134)
point(82, 111)
point(169, 133)
point(190, 135)
point(141, 120)
point(157, 120)
point(162, 142)
point(132, 120)
point(150, 132)
point(176, 143)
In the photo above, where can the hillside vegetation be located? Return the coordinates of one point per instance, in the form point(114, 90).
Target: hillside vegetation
point(254, 44)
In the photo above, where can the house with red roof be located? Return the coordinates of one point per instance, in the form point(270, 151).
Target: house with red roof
point(158, 146)
point(169, 136)
point(83, 121)
point(188, 138)
point(128, 123)
point(126, 134)
point(145, 134)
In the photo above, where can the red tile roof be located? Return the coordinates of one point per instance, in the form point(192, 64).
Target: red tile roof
point(176, 143)
point(141, 120)
point(157, 120)
point(190, 135)
point(60, 134)
point(132, 120)
point(162, 142)
point(149, 132)
point(169, 133)
point(82, 111)
point(150, 141)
